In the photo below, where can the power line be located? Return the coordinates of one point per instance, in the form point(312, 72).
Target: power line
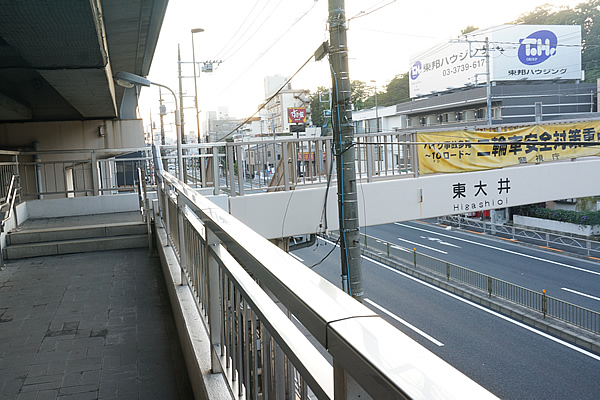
point(218, 56)
point(267, 102)
point(232, 52)
point(266, 50)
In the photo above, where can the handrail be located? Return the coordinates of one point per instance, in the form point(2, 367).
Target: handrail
point(11, 197)
point(383, 361)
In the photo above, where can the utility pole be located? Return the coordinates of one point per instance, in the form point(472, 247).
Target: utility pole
point(184, 177)
point(489, 83)
point(162, 128)
point(162, 122)
point(345, 152)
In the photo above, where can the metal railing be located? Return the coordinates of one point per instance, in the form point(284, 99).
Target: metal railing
point(72, 173)
point(240, 281)
point(540, 302)
point(7, 207)
point(577, 244)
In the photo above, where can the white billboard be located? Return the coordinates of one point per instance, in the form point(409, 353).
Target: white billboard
point(517, 52)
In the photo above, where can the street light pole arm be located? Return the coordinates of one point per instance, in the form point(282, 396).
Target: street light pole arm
point(179, 135)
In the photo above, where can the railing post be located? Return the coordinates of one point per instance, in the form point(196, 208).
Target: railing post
point(230, 163)
point(544, 303)
point(214, 306)
point(370, 158)
point(181, 234)
point(166, 212)
point(415, 257)
point(202, 163)
point(344, 386)
point(280, 374)
point(95, 181)
point(146, 202)
point(215, 171)
point(241, 168)
point(286, 169)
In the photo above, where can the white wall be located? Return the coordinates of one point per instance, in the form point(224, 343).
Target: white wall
point(281, 214)
point(68, 135)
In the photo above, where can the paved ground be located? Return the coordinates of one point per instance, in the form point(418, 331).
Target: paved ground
point(88, 326)
point(81, 220)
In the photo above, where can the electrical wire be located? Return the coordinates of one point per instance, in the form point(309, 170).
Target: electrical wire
point(225, 47)
point(267, 102)
point(231, 53)
point(266, 50)
point(365, 13)
point(328, 254)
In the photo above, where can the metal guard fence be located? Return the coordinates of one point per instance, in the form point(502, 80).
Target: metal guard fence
point(540, 302)
point(574, 243)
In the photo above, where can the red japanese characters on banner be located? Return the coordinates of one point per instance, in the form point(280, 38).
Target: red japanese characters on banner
point(297, 115)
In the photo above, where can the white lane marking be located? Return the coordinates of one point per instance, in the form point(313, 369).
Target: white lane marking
point(482, 308)
point(494, 313)
point(440, 241)
point(581, 293)
point(501, 249)
point(422, 245)
point(296, 257)
point(405, 323)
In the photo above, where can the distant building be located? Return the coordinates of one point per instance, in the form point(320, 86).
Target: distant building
point(217, 128)
point(286, 112)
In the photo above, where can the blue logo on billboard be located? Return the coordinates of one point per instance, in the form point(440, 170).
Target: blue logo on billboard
point(537, 47)
point(415, 70)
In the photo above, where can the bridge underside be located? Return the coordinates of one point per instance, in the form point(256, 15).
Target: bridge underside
point(302, 211)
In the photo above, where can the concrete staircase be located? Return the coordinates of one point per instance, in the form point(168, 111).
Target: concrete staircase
point(66, 236)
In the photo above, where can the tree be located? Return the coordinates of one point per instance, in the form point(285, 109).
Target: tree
point(359, 94)
point(317, 108)
point(468, 29)
point(396, 91)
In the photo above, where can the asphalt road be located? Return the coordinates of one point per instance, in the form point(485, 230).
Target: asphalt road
point(575, 280)
point(508, 358)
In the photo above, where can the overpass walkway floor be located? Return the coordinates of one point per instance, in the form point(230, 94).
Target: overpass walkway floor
point(94, 325)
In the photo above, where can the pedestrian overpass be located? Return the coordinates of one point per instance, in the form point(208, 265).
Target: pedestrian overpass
point(392, 184)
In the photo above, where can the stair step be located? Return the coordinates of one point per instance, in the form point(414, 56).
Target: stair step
point(75, 246)
point(78, 232)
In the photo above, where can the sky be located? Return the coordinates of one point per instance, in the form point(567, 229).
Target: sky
point(259, 38)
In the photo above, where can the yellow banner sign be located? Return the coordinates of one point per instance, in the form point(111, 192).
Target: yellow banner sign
point(463, 150)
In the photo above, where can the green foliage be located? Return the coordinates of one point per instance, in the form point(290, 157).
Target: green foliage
point(359, 94)
point(587, 203)
point(317, 108)
point(574, 217)
point(468, 29)
point(396, 91)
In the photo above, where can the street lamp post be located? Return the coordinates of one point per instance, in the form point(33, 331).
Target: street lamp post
point(129, 80)
point(196, 30)
point(200, 151)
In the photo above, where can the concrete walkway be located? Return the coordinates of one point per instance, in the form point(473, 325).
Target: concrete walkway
point(88, 326)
